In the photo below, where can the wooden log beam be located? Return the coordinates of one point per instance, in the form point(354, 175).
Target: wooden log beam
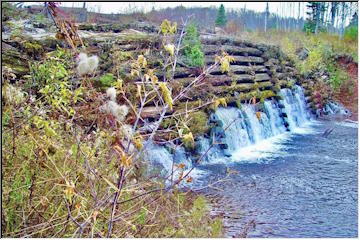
point(262, 77)
point(232, 50)
point(238, 60)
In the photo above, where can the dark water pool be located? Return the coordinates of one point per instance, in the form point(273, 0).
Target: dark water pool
point(311, 191)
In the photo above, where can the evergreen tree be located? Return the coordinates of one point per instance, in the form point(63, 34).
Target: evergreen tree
point(354, 20)
point(220, 20)
point(315, 19)
point(193, 47)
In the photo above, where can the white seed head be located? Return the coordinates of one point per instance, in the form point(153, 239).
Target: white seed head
point(119, 112)
point(111, 93)
point(86, 64)
point(93, 62)
point(82, 57)
point(126, 129)
point(83, 68)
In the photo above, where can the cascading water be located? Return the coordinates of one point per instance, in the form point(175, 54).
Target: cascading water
point(236, 135)
point(276, 122)
point(294, 106)
point(235, 129)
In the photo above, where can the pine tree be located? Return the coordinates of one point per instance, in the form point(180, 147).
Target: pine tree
point(193, 47)
point(220, 20)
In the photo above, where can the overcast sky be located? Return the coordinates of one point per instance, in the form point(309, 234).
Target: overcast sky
point(124, 7)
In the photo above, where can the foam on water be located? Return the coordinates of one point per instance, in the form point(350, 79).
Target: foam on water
point(243, 137)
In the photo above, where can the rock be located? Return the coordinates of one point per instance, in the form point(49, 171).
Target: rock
point(14, 59)
point(227, 153)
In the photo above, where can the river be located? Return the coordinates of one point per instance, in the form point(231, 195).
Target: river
point(305, 185)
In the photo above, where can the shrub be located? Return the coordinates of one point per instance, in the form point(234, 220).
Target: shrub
point(351, 33)
point(193, 48)
point(336, 75)
point(107, 80)
point(199, 123)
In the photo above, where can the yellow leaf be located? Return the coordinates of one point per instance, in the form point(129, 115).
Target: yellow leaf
point(188, 140)
point(165, 26)
point(154, 79)
point(170, 48)
point(138, 143)
point(119, 150)
point(173, 28)
point(258, 115)
point(95, 213)
point(225, 65)
point(217, 103)
point(126, 161)
point(111, 184)
point(223, 102)
point(217, 58)
point(139, 90)
point(166, 94)
point(142, 61)
point(69, 191)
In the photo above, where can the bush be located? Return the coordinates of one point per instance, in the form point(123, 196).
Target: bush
point(351, 33)
point(337, 75)
point(309, 27)
point(193, 48)
point(107, 80)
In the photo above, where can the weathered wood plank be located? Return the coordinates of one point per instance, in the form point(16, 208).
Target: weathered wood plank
point(262, 77)
point(238, 69)
point(238, 60)
point(232, 50)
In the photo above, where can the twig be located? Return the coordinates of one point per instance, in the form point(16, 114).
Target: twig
point(178, 46)
point(119, 186)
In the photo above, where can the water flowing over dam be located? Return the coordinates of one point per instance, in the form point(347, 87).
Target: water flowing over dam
point(239, 128)
point(282, 162)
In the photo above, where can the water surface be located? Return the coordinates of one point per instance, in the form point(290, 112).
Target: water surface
point(306, 186)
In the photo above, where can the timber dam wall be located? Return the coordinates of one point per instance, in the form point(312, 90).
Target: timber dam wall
point(260, 71)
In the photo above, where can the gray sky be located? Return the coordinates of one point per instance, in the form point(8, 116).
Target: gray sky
point(124, 7)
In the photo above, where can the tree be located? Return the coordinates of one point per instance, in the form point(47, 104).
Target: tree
point(354, 20)
point(192, 47)
point(83, 13)
point(343, 8)
point(315, 18)
point(266, 15)
point(334, 6)
point(220, 20)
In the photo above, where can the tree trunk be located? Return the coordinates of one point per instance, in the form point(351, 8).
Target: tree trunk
point(266, 15)
point(317, 18)
point(342, 20)
point(333, 14)
point(298, 20)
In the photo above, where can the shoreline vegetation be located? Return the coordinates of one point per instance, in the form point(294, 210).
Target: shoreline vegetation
point(80, 109)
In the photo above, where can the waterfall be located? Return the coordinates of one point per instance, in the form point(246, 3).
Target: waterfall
point(273, 113)
point(294, 107)
point(238, 131)
point(255, 129)
point(236, 135)
point(333, 108)
point(158, 156)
